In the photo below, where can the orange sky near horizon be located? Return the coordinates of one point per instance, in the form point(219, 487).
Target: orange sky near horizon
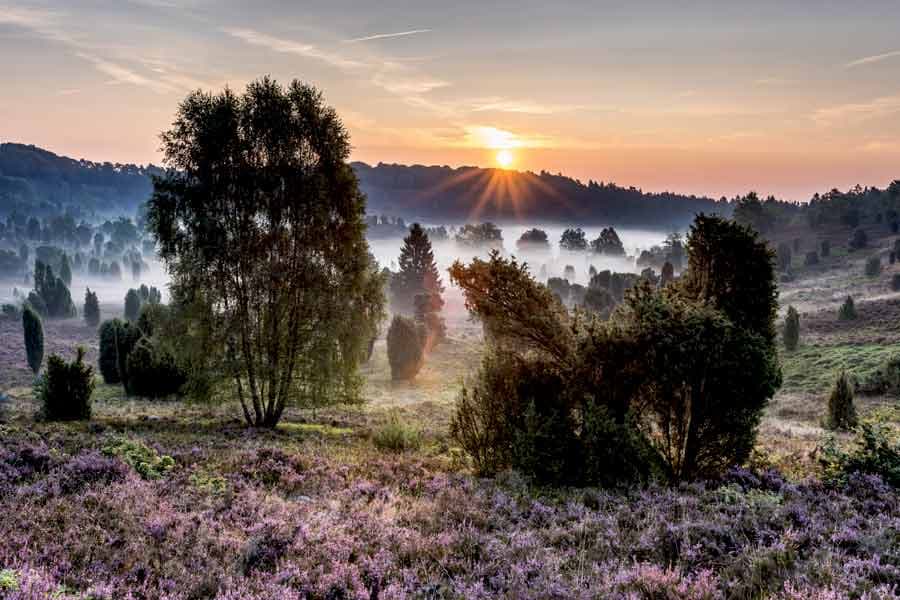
point(782, 98)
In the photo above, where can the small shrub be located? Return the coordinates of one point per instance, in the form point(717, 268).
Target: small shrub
point(841, 411)
point(152, 371)
point(132, 305)
point(108, 361)
point(9, 581)
point(784, 256)
point(895, 282)
point(812, 258)
point(874, 451)
point(825, 249)
point(873, 267)
point(397, 436)
point(66, 388)
point(146, 461)
point(91, 308)
point(858, 240)
point(886, 379)
point(34, 338)
point(406, 348)
point(85, 470)
point(847, 311)
point(791, 329)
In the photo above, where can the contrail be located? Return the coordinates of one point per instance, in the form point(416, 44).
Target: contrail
point(382, 36)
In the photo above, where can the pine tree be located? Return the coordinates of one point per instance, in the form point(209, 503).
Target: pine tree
point(34, 338)
point(841, 412)
point(132, 305)
point(418, 274)
point(791, 329)
point(847, 312)
point(91, 308)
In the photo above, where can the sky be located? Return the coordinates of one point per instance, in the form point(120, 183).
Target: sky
point(706, 97)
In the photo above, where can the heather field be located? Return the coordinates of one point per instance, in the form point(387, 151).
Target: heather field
point(174, 500)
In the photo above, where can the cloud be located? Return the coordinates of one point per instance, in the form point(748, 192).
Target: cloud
point(384, 36)
point(284, 46)
point(528, 107)
point(483, 136)
point(867, 60)
point(856, 112)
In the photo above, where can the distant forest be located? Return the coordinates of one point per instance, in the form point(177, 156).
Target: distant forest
point(446, 195)
point(36, 181)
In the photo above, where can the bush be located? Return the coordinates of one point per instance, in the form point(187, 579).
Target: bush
point(784, 256)
point(826, 249)
point(875, 451)
point(886, 379)
point(34, 338)
point(397, 436)
point(812, 258)
point(791, 329)
point(847, 311)
point(841, 411)
point(873, 266)
point(858, 240)
point(152, 372)
point(65, 389)
point(406, 348)
point(895, 282)
point(108, 361)
point(132, 305)
point(91, 308)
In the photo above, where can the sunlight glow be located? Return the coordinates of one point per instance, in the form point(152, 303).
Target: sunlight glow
point(505, 159)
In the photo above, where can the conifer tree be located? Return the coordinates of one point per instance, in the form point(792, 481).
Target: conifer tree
point(418, 274)
point(34, 338)
point(91, 308)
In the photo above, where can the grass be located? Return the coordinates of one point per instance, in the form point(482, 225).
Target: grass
point(814, 368)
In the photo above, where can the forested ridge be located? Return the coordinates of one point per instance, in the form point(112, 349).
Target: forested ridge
point(36, 180)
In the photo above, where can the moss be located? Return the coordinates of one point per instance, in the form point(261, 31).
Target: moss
point(9, 580)
point(147, 462)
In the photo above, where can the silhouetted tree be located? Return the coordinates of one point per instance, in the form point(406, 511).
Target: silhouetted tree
point(132, 305)
point(573, 240)
point(418, 274)
point(791, 329)
point(406, 348)
point(261, 216)
point(608, 243)
point(91, 308)
point(533, 240)
point(34, 338)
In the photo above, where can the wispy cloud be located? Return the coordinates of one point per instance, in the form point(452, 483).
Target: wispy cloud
point(285, 46)
point(868, 60)
point(528, 107)
point(385, 36)
point(856, 112)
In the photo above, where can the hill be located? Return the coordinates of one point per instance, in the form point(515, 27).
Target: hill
point(443, 194)
point(36, 180)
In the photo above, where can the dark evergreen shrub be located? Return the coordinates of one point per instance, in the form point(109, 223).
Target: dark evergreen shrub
point(873, 266)
point(132, 305)
point(91, 308)
point(34, 338)
point(406, 348)
point(847, 311)
point(65, 389)
point(667, 274)
point(841, 411)
point(812, 258)
point(826, 248)
point(784, 256)
point(152, 371)
point(858, 240)
point(791, 329)
point(110, 331)
point(892, 257)
point(560, 287)
point(895, 282)
point(127, 339)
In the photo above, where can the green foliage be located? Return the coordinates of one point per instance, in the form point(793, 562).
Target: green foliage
point(405, 347)
point(146, 461)
point(132, 305)
point(262, 217)
point(9, 580)
point(34, 338)
point(885, 379)
point(91, 308)
point(110, 331)
point(847, 311)
point(875, 450)
point(841, 411)
point(791, 329)
point(65, 389)
point(397, 436)
point(873, 266)
point(152, 372)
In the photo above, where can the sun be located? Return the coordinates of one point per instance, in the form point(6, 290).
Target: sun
point(504, 158)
